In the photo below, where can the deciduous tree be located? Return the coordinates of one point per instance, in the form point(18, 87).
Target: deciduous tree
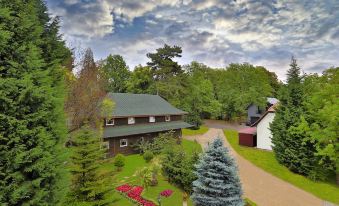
point(115, 73)
point(141, 81)
point(86, 95)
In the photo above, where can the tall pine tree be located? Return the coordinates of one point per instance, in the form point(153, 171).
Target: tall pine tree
point(218, 183)
point(89, 187)
point(32, 125)
point(290, 144)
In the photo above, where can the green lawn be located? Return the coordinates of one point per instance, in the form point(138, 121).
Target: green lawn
point(266, 160)
point(191, 146)
point(132, 164)
point(202, 130)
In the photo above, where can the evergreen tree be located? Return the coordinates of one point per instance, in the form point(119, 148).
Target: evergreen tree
point(218, 183)
point(290, 144)
point(162, 63)
point(179, 167)
point(88, 186)
point(32, 125)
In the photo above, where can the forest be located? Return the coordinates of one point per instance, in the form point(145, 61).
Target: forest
point(50, 98)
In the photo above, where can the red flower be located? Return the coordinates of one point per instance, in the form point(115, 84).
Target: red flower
point(135, 194)
point(166, 193)
point(124, 188)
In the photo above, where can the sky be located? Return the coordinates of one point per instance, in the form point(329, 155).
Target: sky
point(214, 32)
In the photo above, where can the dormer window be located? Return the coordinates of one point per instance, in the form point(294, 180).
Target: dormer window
point(110, 121)
point(167, 118)
point(152, 119)
point(131, 120)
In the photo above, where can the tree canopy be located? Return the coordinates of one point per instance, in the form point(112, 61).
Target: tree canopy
point(32, 129)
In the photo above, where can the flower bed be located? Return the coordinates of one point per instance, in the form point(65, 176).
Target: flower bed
point(166, 193)
point(134, 194)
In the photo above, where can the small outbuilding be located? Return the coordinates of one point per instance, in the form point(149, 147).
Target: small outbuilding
point(248, 137)
point(264, 134)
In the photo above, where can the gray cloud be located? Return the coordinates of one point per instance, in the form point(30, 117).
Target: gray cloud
point(215, 32)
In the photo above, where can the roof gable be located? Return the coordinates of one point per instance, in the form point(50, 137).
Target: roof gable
point(270, 110)
point(127, 104)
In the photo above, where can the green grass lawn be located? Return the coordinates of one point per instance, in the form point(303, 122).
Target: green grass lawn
point(202, 130)
point(190, 146)
point(135, 162)
point(266, 160)
point(132, 164)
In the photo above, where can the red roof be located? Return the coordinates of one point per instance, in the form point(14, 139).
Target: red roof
point(248, 130)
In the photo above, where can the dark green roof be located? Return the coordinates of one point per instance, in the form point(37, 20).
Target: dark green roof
point(118, 131)
point(141, 104)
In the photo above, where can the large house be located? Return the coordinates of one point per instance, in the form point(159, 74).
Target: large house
point(254, 112)
point(139, 116)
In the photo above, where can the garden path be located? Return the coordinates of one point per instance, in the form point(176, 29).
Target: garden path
point(258, 185)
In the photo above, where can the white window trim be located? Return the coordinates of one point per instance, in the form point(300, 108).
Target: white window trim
point(152, 118)
point(130, 122)
point(108, 120)
point(167, 118)
point(125, 141)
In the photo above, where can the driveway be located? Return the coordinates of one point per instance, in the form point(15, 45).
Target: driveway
point(222, 124)
point(258, 185)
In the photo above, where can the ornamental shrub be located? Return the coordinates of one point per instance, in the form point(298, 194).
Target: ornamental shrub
point(119, 161)
point(148, 156)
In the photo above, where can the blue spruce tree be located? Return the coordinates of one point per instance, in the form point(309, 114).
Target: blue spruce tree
point(218, 183)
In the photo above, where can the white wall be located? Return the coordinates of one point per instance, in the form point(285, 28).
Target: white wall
point(264, 133)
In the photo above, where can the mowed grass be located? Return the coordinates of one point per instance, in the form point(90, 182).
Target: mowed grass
point(127, 175)
point(188, 132)
point(191, 146)
point(266, 160)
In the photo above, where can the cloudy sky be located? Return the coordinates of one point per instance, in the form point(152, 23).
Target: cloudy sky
point(214, 32)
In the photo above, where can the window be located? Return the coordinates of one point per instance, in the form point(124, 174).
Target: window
point(131, 120)
point(123, 143)
point(110, 121)
point(151, 119)
point(167, 118)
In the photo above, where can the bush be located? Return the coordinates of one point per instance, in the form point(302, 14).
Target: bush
point(157, 144)
point(148, 156)
point(119, 161)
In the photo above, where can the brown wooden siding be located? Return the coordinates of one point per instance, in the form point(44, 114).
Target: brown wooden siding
point(114, 143)
point(142, 120)
point(120, 121)
point(160, 119)
point(176, 117)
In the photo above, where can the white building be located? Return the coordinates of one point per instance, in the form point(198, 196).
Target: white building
point(264, 134)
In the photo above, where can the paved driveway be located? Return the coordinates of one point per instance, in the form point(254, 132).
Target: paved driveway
point(222, 124)
point(258, 185)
